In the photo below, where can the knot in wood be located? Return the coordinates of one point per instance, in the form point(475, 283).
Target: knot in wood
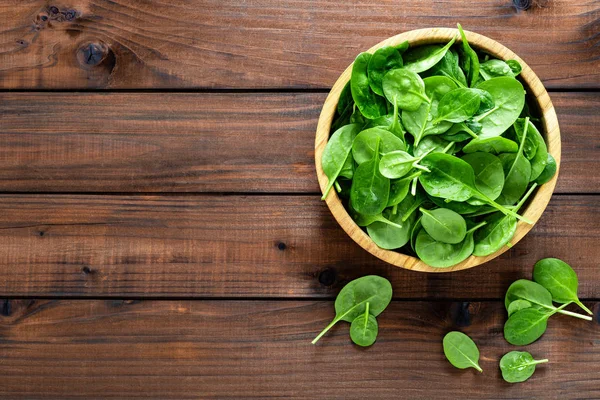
point(92, 54)
point(523, 4)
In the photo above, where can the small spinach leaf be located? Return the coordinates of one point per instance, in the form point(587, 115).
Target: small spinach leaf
point(461, 351)
point(548, 172)
point(559, 279)
point(353, 298)
point(364, 329)
point(369, 103)
point(518, 366)
point(336, 152)
point(423, 58)
point(404, 87)
point(444, 225)
point(470, 60)
point(370, 190)
point(383, 60)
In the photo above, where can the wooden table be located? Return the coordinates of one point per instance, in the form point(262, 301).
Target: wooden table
point(161, 233)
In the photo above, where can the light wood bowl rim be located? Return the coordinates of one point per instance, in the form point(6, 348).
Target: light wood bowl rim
point(551, 132)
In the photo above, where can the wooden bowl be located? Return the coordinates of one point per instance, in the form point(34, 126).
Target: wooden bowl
point(550, 131)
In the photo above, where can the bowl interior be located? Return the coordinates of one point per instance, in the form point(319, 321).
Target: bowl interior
point(536, 95)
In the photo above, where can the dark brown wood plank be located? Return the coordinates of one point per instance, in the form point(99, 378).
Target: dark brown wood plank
point(225, 142)
point(245, 246)
point(266, 43)
point(248, 349)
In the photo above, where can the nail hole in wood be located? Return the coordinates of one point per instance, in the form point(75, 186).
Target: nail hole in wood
point(327, 277)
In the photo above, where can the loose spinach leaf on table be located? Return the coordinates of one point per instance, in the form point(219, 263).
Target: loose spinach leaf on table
point(528, 325)
point(518, 305)
point(518, 366)
point(560, 280)
point(352, 300)
point(461, 351)
point(538, 296)
point(364, 328)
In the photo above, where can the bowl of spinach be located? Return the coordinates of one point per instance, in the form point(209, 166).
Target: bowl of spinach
point(437, 149)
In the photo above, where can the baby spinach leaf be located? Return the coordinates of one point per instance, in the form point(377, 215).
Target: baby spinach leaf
point(345, 100)
point(396, 164)
point(399, 189)
point(548, 172)
point(495, 68)
point(419, 123)
point(418, 200)
point(453, 179)
point(442, 255)
point(489, 175)
point(494, 145)
point(538, 296)
point(518, 366)
point(518, 305)
point(526, 326)
point(559, 279)
point(509, 98)
point(461, 351)
point(458, 105)
point(432, 144)
point(353, 298)
point(462, 131)
point(396, 127)
point(369, 103)
point(530, 145)
point(366, 220)
point(404, 87)
point(336, 152)
point(423, 58)
point(383, 60)
point(364, 329)
point(498, 231)
point(444, 225)
point(363, 147)
point(514, 66)
point(448, 67)
point(470, 60)
point(456, 206)
point(393, 236)
point(540, 159)
point(517, 170)
point(370, 190)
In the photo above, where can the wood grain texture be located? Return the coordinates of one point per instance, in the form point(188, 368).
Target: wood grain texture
point(248, 349)
point(266, 43)
point(223, 142)
point(246, 246)
point(531, 212)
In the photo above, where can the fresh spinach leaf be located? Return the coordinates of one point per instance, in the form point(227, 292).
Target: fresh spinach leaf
point(370, 190)
point(336, 152)
point(518, 305)
point(423, 58)
point(396, 164)
point(559, 279)
point(518, 366)
point(461, 351)
point(489, 174)
point(363, 146)
point(548, 172)
point(469, 60)
point(404, 87)
point(528, 325)
point(364, 329)
point(393, 236)
point(509, 98)
point(353, 298)
point(517, 170)
point(383, 60)
point(419, 123)
point(495, 68)
point(369, 103)
point(449, 67)
point(458, 105)
point(444, 225)
point(494, 145)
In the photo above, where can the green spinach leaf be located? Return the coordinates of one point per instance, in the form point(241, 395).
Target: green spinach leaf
point(518, 366)
point(423, 58)
point(368, 102)
point(461, 351)
point(364, 329)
